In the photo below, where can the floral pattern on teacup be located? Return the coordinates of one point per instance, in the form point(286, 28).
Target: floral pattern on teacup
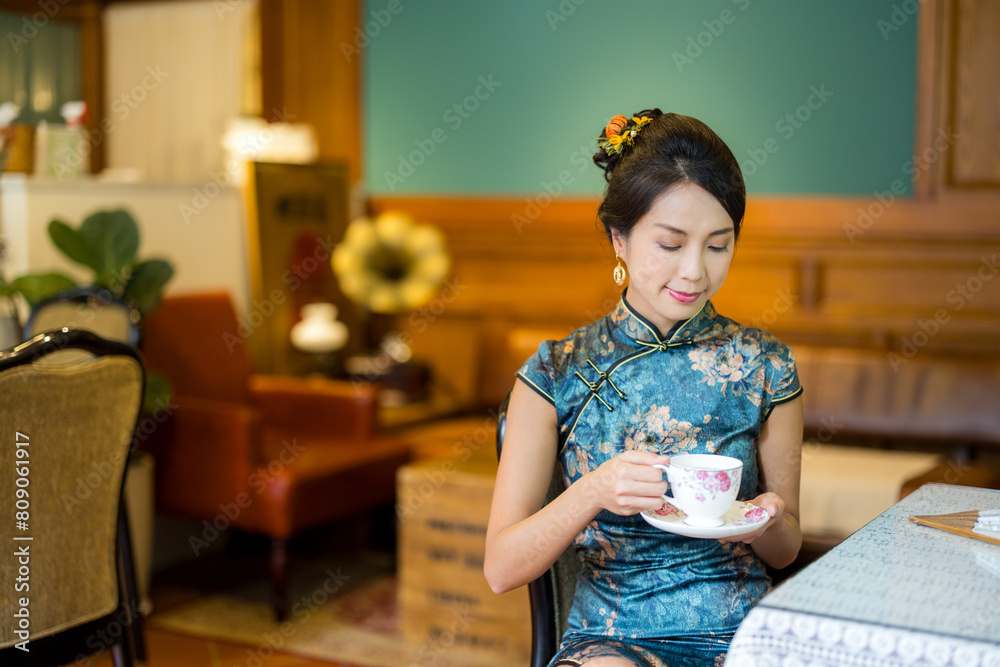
point(707, 484)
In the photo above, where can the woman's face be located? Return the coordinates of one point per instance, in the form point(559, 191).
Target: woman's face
point(677, 255)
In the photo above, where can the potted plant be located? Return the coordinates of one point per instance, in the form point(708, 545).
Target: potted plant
point(10, 325)
point(107, 243)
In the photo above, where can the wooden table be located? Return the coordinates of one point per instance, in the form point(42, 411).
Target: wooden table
point(892, 594)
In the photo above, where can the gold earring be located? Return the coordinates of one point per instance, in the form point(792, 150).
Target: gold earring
point(619, 274)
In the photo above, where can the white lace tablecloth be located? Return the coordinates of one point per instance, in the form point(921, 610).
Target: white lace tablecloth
point(892, 594)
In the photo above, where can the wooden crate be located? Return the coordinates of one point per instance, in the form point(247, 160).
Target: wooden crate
point(443, 508)
point(438, 630)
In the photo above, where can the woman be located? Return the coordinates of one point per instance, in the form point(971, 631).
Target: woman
point(661, 374)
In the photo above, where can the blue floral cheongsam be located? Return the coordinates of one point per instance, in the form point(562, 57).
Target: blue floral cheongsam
point(705, 387)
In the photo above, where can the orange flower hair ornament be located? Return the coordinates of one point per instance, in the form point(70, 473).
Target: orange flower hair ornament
point(619, 132)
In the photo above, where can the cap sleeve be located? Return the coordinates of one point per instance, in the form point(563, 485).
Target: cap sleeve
point(782, 378)
point(538, 372)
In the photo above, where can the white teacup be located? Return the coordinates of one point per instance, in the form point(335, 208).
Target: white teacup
point(704, 486)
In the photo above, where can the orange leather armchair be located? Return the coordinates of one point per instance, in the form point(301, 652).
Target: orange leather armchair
point(264, 454)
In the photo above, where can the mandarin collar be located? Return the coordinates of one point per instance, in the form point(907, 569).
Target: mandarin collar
point(702, 326)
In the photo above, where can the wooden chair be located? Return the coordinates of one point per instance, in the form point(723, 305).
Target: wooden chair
point(550, 595)
point(263, 454)
point(89, 308)
point(96, 309)
point(70, 426)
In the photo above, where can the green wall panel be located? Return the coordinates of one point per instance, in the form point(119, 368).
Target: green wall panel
point(505, 97)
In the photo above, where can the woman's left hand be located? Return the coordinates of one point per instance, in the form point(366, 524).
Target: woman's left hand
point(774, 506)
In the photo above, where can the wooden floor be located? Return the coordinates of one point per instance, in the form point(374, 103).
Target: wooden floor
point(167, 649)
point(186, 583)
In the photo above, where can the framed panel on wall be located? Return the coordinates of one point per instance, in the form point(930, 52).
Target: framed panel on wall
point(296, 214)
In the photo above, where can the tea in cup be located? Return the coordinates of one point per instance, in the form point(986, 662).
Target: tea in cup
point(704, 486)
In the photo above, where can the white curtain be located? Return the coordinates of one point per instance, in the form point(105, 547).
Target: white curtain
point(175, 72)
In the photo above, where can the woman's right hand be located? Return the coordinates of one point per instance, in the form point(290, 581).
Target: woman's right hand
point(628, 483)
point(525, 535)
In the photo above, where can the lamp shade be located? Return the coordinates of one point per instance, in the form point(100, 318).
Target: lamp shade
point(319, 331)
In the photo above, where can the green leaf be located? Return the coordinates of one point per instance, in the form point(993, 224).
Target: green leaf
point(74, 245)
point(147, 283)
point(115, 238)
point(37, 287)
point(158, 391)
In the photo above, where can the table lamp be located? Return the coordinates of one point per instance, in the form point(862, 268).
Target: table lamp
point(319, 332)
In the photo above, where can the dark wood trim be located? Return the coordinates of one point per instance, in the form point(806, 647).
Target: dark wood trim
point(931, 71)
point(92, 80)
point(305, 73)
point(272, 58)
point(950, 87)
point(74, 10)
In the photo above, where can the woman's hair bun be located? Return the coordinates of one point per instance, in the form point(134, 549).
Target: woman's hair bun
point(607, 160)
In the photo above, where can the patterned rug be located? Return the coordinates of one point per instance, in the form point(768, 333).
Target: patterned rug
point(341, 613)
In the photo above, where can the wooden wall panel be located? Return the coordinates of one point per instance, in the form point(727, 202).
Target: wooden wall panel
point(958, 94)
point(531, 291)
point(976, 96)
point(887, 286)
point(759, 284)
point(795, 273)
point(308, 76)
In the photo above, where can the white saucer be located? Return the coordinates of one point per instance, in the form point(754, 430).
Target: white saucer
point(741, 518)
